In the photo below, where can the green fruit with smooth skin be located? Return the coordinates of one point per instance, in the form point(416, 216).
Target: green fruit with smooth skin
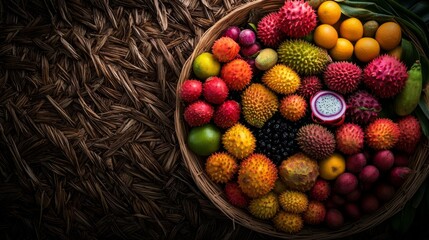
point(266, 59)
point(204, 140)
point(407, 100)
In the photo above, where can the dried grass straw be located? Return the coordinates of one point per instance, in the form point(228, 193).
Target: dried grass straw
point(215, 193)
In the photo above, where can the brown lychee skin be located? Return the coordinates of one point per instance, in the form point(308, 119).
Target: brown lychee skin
point(315, 213)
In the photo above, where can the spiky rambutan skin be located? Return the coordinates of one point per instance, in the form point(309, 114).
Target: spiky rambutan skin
point(257, 175)
point(239, 141)
point(385, 76)
point(382, 134)
point(309, 86)
point(198, 113)
point(225, 49)
point(221, 167)
point(349, 138)
point(236, 74)
point(288, 222)
point(298, 18)
point(258, 104)
point(342, 77)
point(410, 134)
point(316, 141)
point(293, 107)
point(281, 79)
point(235, 196)
point(362, 108)
point(315, 213)
point(269, 30)
point(264, 207)
point(293, 201)
point(303, 57)
point(227, 114)
point(299, 172)
point(321, 190)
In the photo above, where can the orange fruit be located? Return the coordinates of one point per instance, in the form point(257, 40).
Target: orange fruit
point(325, 36)
point(388, 35)
point(351, 29)
point(331, 167)
point(329, 12)
point(343, 50)
point(366, 49)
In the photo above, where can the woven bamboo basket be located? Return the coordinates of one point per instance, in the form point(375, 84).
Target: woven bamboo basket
point(418, 162)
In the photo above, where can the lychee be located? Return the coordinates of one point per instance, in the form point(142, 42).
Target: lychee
point(315, 213)
point(320, 190)
point(198, 113)
point(235, 196)
point(309, 86)
point(410, 134)
point(227, 114)
point(191, 90)
point(215, 90)
point(350, 138)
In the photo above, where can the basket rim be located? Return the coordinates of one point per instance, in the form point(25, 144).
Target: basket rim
point(215, 194)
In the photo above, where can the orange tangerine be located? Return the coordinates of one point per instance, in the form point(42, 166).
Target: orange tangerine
point(388, 35)
point(366, 49)
point(342, 51)
point(325, 36)
point(329, 12)
point(351, 29)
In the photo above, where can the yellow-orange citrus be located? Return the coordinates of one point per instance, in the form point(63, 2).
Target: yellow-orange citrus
point(331, 167)
point(325, 36)
point(351, 29)
point(329, 12)
point(388, 35)
point(342, 51)
point(366, 49)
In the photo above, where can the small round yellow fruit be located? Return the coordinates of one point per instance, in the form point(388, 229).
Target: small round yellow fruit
point(205, 65)
point(331, 167)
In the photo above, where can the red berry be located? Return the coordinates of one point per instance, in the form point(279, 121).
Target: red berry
point(227, 114)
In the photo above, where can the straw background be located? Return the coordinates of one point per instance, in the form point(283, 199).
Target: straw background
point(87, 142)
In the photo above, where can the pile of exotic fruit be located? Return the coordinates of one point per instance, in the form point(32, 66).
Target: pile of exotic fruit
point(305, 117)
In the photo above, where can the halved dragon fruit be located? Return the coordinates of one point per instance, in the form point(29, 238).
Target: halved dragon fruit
point(328, 108)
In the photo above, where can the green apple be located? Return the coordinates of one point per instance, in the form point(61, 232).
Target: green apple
point(204, 140)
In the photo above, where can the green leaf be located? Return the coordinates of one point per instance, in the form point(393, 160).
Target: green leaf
point(409, 53)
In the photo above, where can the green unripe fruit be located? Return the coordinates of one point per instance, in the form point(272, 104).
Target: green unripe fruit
point(204, 140)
